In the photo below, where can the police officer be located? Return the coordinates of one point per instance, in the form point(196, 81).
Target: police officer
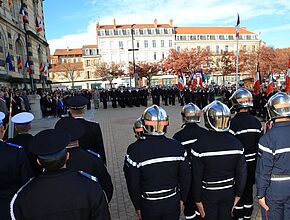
point(247, 129)
point(187, 136)
point(218, 166)
point(58, 193)
point(85, 160)
point(273, 165)
point(158, 173)
point(92, 139)
point(22, 123)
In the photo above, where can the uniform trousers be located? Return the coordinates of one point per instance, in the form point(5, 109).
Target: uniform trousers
point(5, 209)
point(218, 204)
point(168, 216)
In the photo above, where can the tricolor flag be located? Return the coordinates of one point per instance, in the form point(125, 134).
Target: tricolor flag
point(287, 89)
point(38, 25)
point(193, 80)
point(257, 83)
point(23, 13)
point(45, 70)
point(270, 87)
point(201, 78)
point(19, 63)
point(9, 62)
point(27, 66)
point(238, 26)
point(181, 81)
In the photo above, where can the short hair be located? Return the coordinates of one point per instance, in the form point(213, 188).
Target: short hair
point(53, 165)
point(22, 128)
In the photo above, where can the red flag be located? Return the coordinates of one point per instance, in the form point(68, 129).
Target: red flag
point(181, 81)
point(19, 63)
point(270, 87)
point(41, 68)
point(257, 83)
point(288, 78)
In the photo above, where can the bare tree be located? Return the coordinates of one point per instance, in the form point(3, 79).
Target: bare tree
point(109, 72)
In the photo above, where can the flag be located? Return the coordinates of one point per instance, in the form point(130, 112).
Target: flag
point(27, 66)
point(45, 70)
point(40, 68)
point(257, 83)
point(9, 62)
point(19, 63)
point(181, 81)
point(23, 13)
point(40, 27)
point(287, 89)
point(194, 80)
point(270, 87)
point(201, 78)
point(10, 2)
point(238, 26)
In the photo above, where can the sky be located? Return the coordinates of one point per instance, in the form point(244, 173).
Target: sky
point(72, 23)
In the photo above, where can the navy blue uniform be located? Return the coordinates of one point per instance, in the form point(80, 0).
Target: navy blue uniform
point(59, 195)
point(273, 171)
point(14, 172)
point(91, 163)
point(219, 173)
point(187, 136)
point(247, 129)
point(158, 177)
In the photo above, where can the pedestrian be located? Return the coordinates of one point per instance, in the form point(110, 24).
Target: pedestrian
point(96, 98)
point(58, 193)
point(273, 168)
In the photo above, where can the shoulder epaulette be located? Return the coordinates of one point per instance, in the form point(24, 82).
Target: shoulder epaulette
point(88, 176)
point(14, 145)
point(94, 153)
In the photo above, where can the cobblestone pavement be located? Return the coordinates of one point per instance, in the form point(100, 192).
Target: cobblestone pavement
point(117, 132)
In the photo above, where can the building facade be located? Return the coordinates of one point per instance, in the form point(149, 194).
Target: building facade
point(23, 44)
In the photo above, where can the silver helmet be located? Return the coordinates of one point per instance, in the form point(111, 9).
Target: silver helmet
point(242, 98)
point(278, 106)
point(138, 129)
point(191, 113)
point(155, 120)
point(217, 116)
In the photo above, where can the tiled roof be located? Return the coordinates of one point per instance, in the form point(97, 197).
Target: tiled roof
point(66, 66)
point(211, 30)
point(128, 26)
point(90, 46)
point(60, 52)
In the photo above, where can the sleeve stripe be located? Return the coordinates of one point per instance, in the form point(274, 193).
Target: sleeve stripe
point(248, 131)
point(265, 149)
point(188, 142)
point(217, 153)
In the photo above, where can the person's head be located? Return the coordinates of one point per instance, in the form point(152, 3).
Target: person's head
point(22, 122)
point(242, 99)
point(155, 121)
point(50, 147)
point(217, 116)
point(138, 129)
point(278, 107)
point(191, 113)
point(77, 105)
point(2, 128)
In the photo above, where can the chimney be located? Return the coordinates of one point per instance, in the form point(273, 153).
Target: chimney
point(171, 23)
point(155, 23)
point(114, 21)
point(98, 25)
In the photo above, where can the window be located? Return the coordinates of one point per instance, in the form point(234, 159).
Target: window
point(227, 48)
point(221, 37)
point(115, 32)
point(198, 48)
point(217, 49)
point(212, 37)
point(202, 37)
point(178, 48)
point(231, 37)
point(107, 33)
point(137, 44)
point(146, 43)
point(88, 74)
point(249, 37)
point(79, 59)
point(2, 55)
point(124, 32)
point(121, 46)
point(155, 56)
point(170, 43)
point(99, 33)
point(149, 31)
point(208, 48)
point(95, 62)
point(74, 60)
point(141, 31)
point(244, 48)
point(157, 31)
point(88, 62)
point(153, 43)
point(20, 53)
point(253, 48)
point(162, 43)
point(165, 31)
point(91, 52)
point(163, 55)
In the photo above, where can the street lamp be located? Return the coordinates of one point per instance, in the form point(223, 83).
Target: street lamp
point(133, 50)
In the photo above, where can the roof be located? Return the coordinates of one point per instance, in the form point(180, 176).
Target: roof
point(66, 66)
point(211, 30)
point(60, 52)
point(90, 46)
point(127, 26)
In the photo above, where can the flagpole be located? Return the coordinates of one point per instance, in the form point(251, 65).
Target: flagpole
point(237, 63)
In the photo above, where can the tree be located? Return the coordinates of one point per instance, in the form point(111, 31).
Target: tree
point(145, 69)
point(226, 64)
point(69, 71)
point(109, 72)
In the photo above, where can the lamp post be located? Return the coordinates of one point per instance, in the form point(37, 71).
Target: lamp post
point(135, 74)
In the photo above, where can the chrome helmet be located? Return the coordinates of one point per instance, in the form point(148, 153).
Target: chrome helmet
point(138, 129)
point(155, 120)
point(191, 113)
point(242, 98)
point(278, 106)
point(217, 116)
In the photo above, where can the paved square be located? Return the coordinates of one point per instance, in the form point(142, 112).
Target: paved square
point(117, 132)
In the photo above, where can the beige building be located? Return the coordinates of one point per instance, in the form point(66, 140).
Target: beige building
point(23, 41)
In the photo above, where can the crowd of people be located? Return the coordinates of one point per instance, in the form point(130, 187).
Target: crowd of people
point(62, 171)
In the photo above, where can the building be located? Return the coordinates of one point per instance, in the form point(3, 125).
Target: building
point(22, 44)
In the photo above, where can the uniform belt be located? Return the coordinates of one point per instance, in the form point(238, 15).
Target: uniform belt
point(251, 157)
point(218, 185)
point(280, 177)
point(161, 194)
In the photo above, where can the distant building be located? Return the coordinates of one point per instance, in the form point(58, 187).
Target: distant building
point(22, 40)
